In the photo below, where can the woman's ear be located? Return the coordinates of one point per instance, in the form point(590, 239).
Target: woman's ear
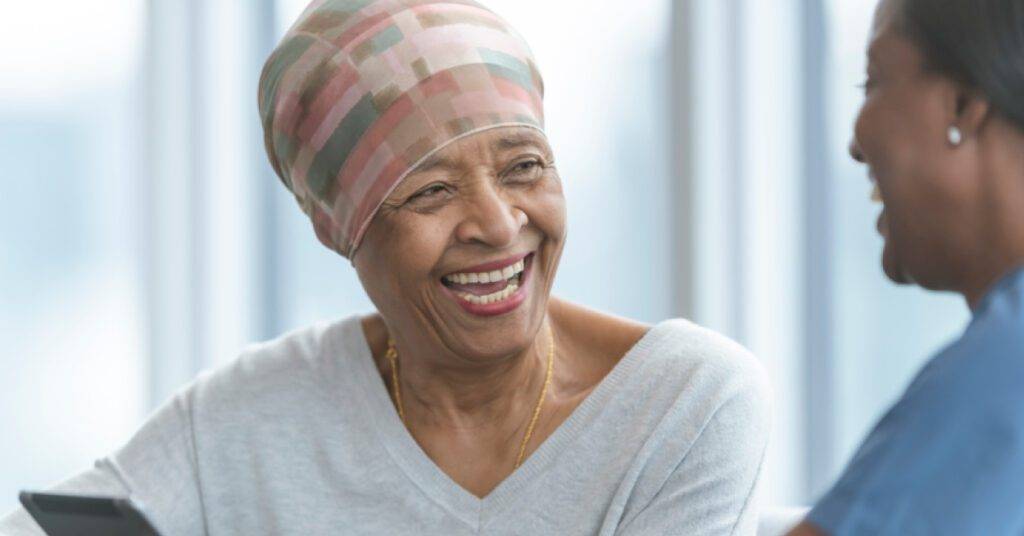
point(972, 111)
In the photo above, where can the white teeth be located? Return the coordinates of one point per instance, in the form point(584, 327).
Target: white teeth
point(501, 295)
point(876, 194)
point(493, 276)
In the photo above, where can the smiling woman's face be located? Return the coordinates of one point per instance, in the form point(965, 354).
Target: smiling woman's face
point(463, 253)
point(926, 184)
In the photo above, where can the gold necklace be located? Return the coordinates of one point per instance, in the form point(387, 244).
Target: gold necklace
point(392, 357)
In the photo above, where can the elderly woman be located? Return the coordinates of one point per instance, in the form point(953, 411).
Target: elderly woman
point(410, 131)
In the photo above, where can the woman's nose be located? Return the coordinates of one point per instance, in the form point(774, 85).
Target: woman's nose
point(491, 220)
point(855, 151)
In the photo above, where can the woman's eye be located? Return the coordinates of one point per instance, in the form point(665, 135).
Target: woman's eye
point(867, 84)
point(524, 170)
point(429, 192)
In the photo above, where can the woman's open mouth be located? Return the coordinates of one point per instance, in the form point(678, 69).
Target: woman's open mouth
point(882, 225)
point(492, 289)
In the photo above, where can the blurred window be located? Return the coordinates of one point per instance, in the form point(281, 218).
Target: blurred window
point(72, 320)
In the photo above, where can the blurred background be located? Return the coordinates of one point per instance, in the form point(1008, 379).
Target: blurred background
point(702, 143)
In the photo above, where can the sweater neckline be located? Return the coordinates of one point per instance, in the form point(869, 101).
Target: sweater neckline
point(432, 481)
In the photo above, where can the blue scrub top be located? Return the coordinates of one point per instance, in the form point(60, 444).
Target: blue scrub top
point(948, 458)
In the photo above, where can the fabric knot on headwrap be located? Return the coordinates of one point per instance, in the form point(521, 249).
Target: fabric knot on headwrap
point(359, 92)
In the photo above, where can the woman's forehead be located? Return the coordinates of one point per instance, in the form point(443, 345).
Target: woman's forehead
point(889, 42)
point(482, 148)
point(492, 142)
point(889, 19)
point(891, 51)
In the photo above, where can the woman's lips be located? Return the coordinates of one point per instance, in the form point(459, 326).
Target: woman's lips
point(491, 298)
point(882, 225)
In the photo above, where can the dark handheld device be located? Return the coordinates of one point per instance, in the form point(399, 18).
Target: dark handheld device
point(82, 515)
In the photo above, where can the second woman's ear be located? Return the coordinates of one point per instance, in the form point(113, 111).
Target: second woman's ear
point(971, 112)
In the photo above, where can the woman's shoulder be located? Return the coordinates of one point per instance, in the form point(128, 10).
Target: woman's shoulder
point(684, 380)
point(674, 344)
point(696, 356)
point(702, 377)
point(307, 348)
point(687, 343)
point(600, 327)
point(294, 364)
point(680, 354)
point(696, 372)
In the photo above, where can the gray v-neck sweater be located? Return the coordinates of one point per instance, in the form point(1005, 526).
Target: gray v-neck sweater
point(299, 436)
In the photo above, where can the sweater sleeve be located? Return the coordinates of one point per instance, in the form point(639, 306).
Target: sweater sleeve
point(156, 468)
point(714, 487)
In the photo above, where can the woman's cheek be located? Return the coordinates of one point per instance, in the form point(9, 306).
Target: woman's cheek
point(424, 238)
point(555, 211)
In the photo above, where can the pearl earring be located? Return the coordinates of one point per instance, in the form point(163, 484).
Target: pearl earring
point(954, 135)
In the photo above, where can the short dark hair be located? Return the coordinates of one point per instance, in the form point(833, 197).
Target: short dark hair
point(980, 43)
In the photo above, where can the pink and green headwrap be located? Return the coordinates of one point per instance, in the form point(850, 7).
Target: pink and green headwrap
point(359, 92)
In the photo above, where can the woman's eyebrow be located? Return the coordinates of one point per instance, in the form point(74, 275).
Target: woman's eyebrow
point(433, 162)
point(507, 143)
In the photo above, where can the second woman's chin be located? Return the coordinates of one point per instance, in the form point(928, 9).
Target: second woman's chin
point(892, 266)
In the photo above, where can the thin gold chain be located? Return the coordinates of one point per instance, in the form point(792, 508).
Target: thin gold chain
point(392, 357)
point(540, 401)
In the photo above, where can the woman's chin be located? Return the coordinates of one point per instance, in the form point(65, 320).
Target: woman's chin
point(892, 266)
point(489, 334)
point(496, 344)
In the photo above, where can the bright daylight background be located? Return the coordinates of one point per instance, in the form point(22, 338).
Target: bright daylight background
point(702, 143)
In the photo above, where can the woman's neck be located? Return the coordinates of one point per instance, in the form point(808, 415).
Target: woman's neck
point(472, 396)
point(441, 389)
point(999, 238)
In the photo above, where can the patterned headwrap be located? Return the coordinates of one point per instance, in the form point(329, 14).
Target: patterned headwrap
point(360, 92)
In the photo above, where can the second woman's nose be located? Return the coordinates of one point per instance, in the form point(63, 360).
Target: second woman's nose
point(855, 151)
